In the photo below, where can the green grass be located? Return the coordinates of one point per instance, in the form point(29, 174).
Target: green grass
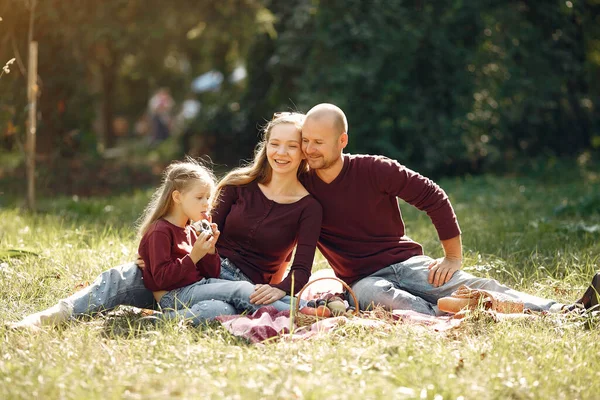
point(532, 234)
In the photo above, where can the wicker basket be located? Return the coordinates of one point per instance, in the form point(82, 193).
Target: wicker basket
point(305, 320)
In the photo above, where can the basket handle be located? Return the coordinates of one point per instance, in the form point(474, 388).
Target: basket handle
point(356, 311)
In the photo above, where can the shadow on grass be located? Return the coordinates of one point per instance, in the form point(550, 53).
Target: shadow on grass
point(131, 323)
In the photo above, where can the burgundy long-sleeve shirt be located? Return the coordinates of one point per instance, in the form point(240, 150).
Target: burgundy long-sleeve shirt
point(362, 230)
point(165, 249)
point(258, 235)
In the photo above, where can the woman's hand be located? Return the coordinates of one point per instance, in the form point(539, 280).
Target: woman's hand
point(442, 269)
point(140, 262)
point(266, 294)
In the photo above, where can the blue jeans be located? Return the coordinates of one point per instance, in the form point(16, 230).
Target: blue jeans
point(198, 312)
point(232, 273)
point(124, 285)
point(235, 293)
point(404, 286)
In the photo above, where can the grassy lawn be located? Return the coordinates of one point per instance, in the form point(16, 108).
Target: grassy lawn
point(534, 234)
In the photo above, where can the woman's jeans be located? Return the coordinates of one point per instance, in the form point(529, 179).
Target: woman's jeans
point(124, 285)
point(404, 286)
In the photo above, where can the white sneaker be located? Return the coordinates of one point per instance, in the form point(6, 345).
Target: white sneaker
point(55, 315)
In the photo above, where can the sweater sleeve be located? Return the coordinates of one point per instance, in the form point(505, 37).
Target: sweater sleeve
point(394, 179)
point(209, 266)
point(227, 198)
point(308, 233)
point(166, 271)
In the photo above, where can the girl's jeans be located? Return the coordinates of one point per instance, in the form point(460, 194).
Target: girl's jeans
point(404, 286)
point(236, 294)
point(124, 285)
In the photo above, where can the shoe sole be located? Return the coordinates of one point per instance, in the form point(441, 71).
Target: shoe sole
point(590, 297)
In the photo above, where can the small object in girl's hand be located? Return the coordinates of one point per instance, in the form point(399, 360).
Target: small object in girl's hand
point(202, 226)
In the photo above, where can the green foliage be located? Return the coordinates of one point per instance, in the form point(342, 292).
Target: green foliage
point(455, 86)
point(445, 87)
point(101, 60)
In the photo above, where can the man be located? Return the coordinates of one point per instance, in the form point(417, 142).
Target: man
point(362, 234)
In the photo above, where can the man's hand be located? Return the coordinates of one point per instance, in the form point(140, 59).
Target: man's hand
point(140, 262)
point(266, 294)
point(442, 269)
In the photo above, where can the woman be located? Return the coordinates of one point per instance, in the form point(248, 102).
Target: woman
point(263, 212)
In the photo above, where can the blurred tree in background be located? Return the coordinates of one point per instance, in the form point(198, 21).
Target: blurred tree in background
point(444, 87)
point(448, 87)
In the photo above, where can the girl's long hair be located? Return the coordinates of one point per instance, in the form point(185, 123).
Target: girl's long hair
point(259, 169)
point(179, 175)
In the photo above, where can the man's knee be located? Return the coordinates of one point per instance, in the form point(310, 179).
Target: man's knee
point(474, 282)
point(372, 292)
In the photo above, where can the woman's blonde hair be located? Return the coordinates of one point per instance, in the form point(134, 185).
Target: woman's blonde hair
point(259, 169)
point(179, 175)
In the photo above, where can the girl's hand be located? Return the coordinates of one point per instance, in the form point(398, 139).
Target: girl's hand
point(215, 236)
point(202, 246)
point(266, 294)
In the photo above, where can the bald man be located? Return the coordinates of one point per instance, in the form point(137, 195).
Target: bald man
point(363, 235)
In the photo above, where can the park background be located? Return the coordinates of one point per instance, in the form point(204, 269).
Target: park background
point(495, 100)
point(448, 88)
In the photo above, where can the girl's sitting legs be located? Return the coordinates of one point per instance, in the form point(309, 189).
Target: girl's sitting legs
point(122, 285)
point(200, 312)
point(235, 293)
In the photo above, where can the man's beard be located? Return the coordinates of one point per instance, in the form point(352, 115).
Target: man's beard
point(319, 163)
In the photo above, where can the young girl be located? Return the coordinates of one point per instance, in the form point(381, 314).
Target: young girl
point(263, 212)
point(181, 266)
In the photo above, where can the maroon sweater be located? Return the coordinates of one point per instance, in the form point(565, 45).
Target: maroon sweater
point(258, 235)
point(165, 249)
point(362, 230)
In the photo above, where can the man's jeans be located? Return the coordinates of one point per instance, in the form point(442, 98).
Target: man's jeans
point(124, 285)
point(404, 286)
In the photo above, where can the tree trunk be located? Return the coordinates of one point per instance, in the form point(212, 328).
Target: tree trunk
point(108, 89)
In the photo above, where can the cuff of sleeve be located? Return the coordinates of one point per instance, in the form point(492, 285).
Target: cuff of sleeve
point(210, 258)
point(187, 262)
point(209, 266)
point(284, 285)
point(448, 232)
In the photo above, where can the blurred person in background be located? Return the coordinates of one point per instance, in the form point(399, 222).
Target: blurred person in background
point(160, 108)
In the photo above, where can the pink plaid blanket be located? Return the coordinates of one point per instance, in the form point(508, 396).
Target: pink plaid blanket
point(268, 323)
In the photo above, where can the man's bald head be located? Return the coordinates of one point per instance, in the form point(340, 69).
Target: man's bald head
point(326, 113)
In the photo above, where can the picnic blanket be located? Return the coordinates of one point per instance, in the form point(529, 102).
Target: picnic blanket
point(268, 323)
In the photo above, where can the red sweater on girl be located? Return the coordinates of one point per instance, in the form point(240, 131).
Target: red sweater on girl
point(165, 249)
